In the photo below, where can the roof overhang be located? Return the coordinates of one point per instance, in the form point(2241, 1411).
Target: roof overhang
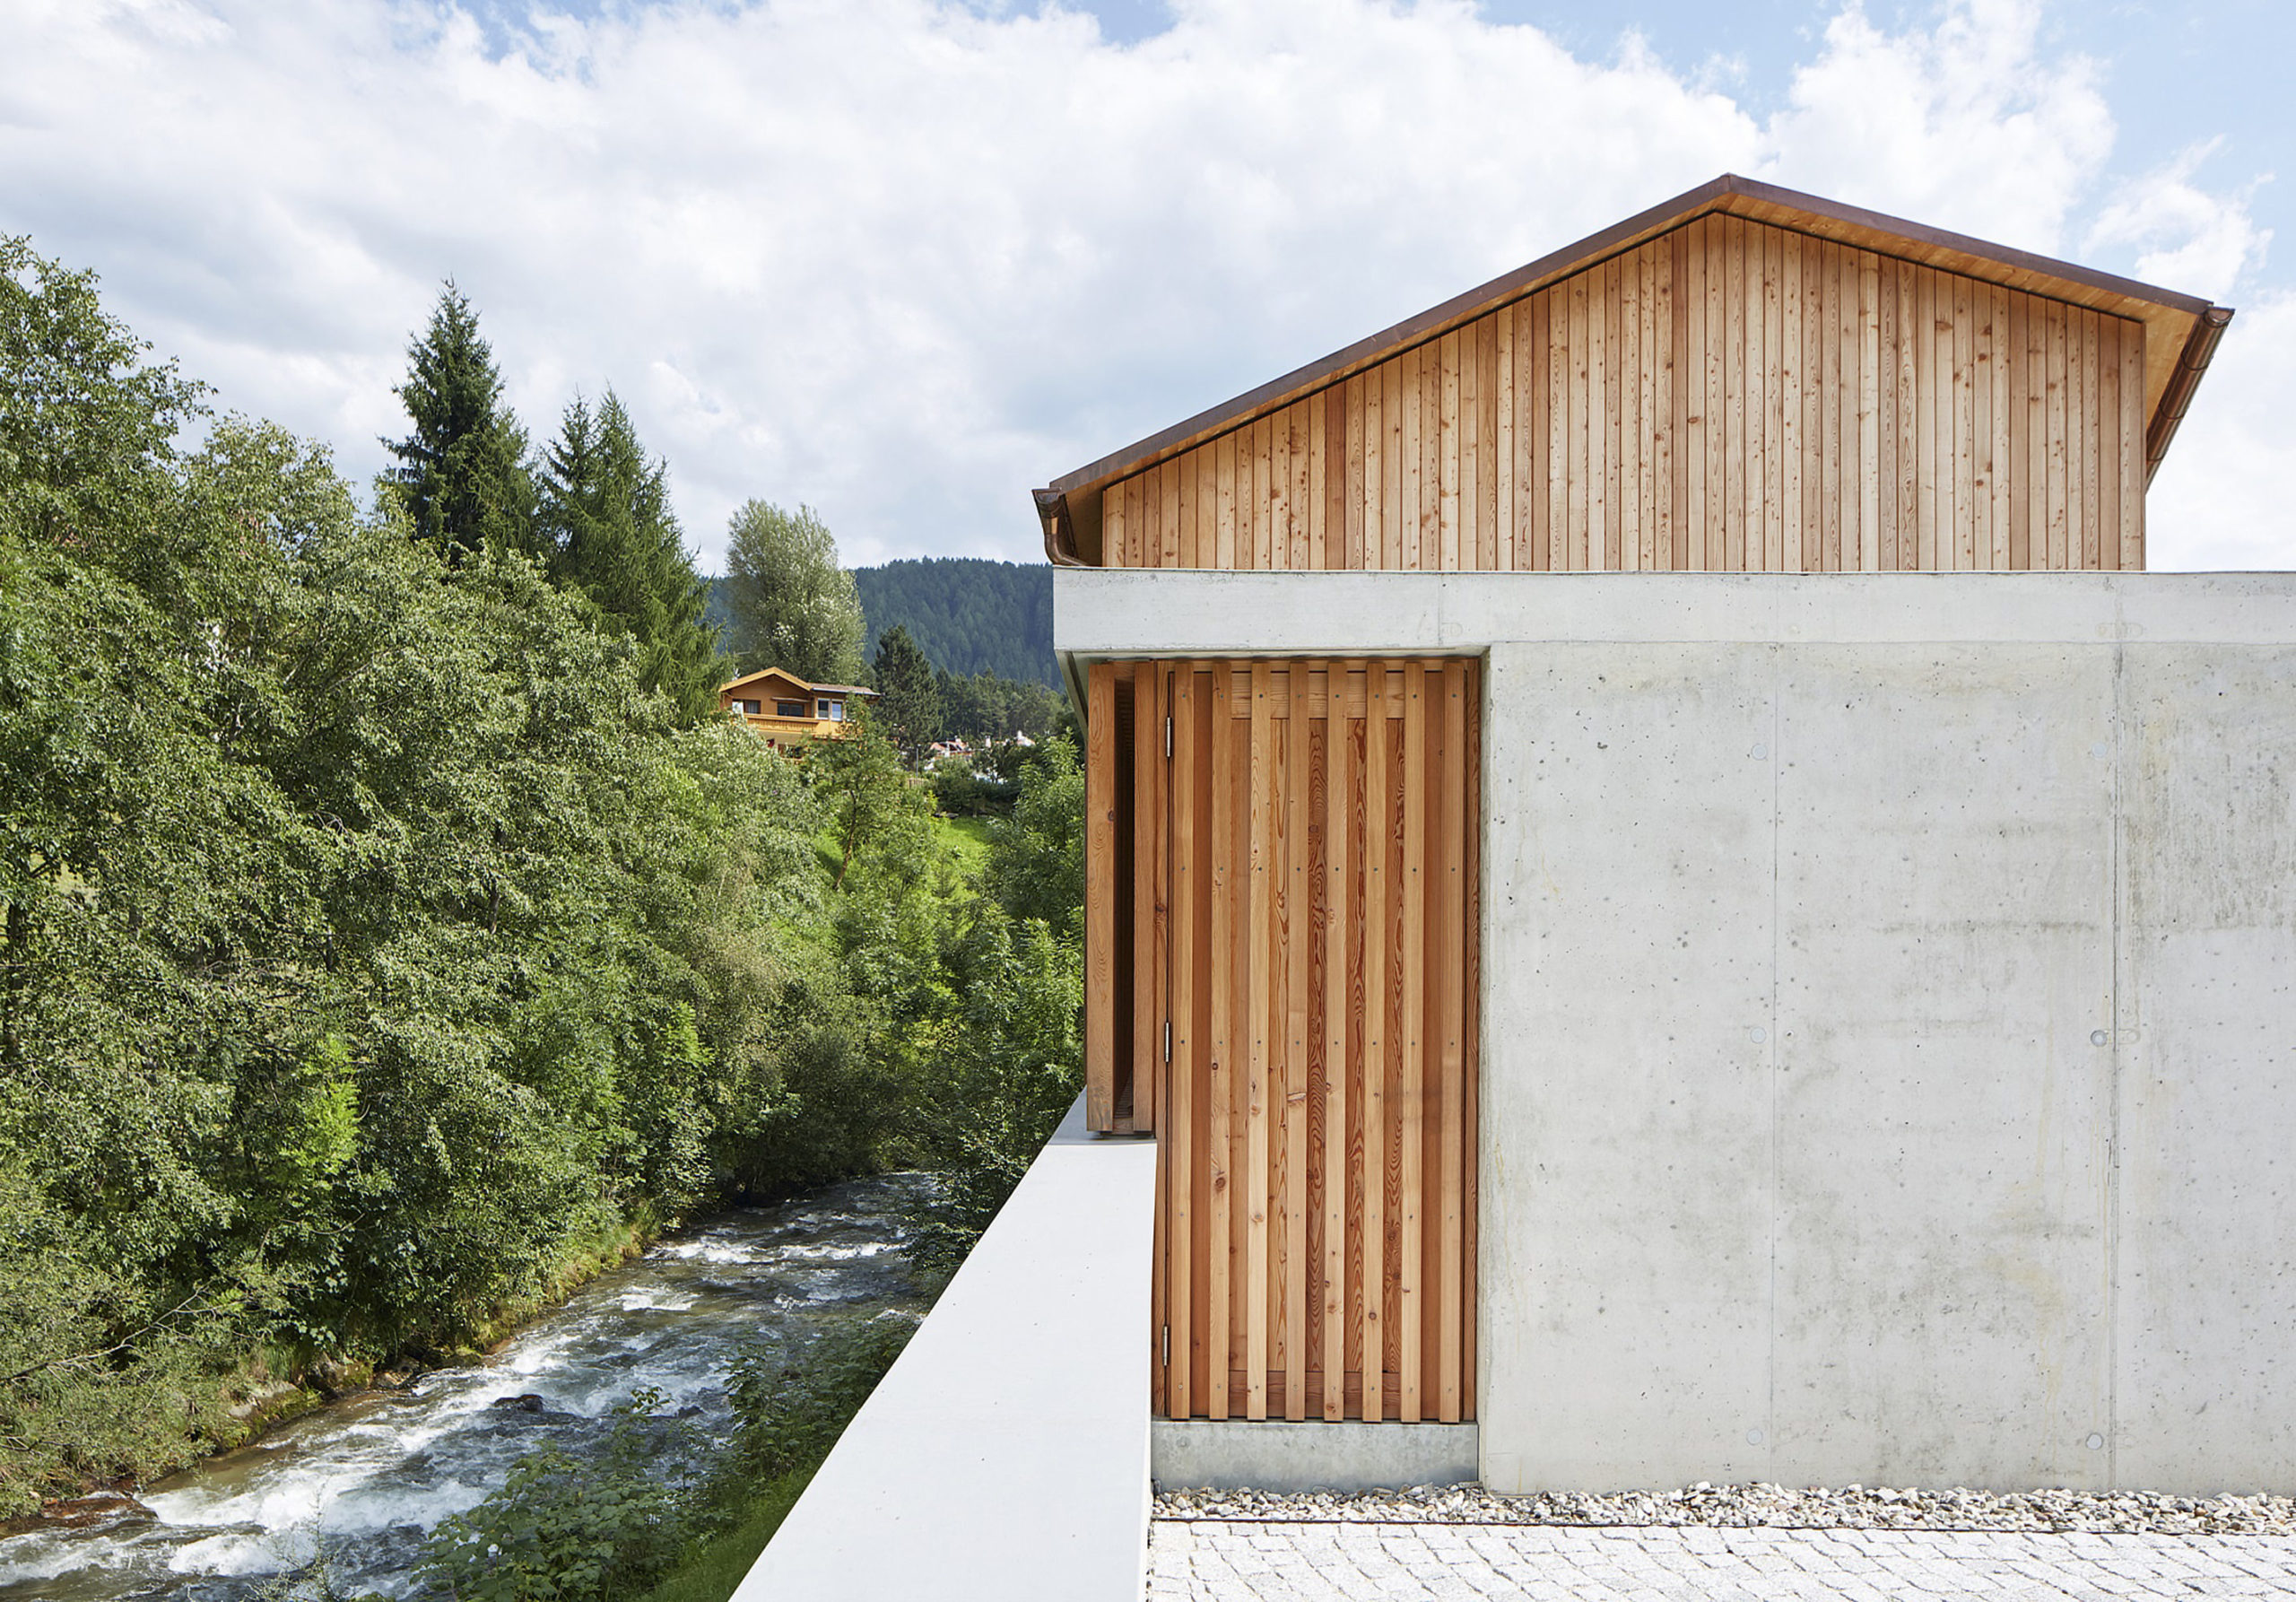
point(2181, 331)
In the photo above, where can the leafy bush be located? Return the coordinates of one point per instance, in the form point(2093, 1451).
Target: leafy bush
point(790, 1407)
point(573, 1530)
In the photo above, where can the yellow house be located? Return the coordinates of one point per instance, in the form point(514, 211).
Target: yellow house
point(787, 709)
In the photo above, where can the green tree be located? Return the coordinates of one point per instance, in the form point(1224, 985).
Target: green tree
point(909, 702)
point(858, 782)
point(463, 480)
point(792, 606)
point(607, 527)
point(1036, 866)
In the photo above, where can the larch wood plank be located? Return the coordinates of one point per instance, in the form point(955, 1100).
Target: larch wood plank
point(1734, 393)
point(1647, 427)
point(1300, 491)
point(1629, 407)
point(2132, 446)
point(1336, 858)
point(1411, 1143)
point(1497, 543)
point(2091, 422)
point(1099, 898)
point(1997, 327)
point(1182, 1135)
point(1259, 1016)
point(2109, 443)
point(1223, 522)
point(1614, 383)
point(1772, 386)
point(1294, 933)
point(2019, 364)
point(1793, 440)
point(2060, 531)
point(1168, 554)
point(1927, 520)
point(1280, 505)
point(1451, 1041)
point(1402, 478)
point(1220, 1145)
point(1964, 428)
point(1869, 412)
point(1377, 524)
point(1378, 827)
point(1149, 911)
point(1356, 420)
point(1431, 457)
point(1676, 452)
point(1554, 312)
point(1470, 1207)
point(1886, 423)
point(1453, 412)
point(1412, 465)
point(1317, 407)
point(1716, 542)
point(1830, 466)
point(1576, 473)
point(1530, 434)
point(1813, 406)
point(1334, 467)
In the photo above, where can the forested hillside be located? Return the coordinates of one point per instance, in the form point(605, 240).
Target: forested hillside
point(970, 615)
point(390, 930)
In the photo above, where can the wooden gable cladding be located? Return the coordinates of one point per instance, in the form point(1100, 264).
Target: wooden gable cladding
point(1730, 395)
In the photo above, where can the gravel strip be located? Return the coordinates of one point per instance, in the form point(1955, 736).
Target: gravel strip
point(1756, 1506)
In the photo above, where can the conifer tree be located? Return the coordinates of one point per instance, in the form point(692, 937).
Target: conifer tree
point(606, 530)
point(461, 478)
point(909, 702)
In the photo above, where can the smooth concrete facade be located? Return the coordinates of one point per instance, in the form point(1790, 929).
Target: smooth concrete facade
point(1287, 1455)
point(1890, 1036)
point(1004, 1456)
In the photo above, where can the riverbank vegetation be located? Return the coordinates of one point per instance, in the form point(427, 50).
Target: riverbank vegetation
point(390, 932)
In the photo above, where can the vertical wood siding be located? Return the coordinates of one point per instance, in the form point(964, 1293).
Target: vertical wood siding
point(1314, 949)
point(1729, 395)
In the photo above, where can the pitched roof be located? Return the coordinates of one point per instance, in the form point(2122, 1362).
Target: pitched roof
point(2181, 331)
point(787, 677)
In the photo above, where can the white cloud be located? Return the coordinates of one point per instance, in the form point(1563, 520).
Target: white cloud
point(2190, 239)
point(2226, 496)
point(903, 259)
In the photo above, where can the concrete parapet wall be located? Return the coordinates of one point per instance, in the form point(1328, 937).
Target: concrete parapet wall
point(1005, 1456)
point(1890, 1030)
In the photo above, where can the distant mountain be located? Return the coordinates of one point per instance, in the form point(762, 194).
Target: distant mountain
point(967, 612)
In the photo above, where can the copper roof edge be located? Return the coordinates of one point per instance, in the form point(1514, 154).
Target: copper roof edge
point(1052, 500)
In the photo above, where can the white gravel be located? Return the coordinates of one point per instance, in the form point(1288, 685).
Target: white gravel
point(1851, 1507)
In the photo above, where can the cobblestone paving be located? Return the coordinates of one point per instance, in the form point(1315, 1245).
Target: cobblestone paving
point(1212, 1560)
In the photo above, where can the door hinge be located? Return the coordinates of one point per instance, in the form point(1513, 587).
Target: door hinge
point(1166, 1361)
point(1168, 1039)
point(1167, 737)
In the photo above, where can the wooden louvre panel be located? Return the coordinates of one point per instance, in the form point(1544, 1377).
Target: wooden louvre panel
point(1316, 959)
point(1729, 395)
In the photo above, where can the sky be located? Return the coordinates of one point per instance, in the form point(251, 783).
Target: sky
point(902, 260)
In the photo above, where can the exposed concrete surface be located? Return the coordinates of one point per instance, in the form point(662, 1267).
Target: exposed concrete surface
point(1111, 612)
point(1890, 1057)
point(1281, 1455)
point(1005, 1458)
point(1401, 1563)
point(1892, 1079)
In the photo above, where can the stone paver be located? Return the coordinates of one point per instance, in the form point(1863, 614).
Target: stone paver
point(1259, 1561)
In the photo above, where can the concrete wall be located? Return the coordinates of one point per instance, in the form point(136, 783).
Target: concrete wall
point(1887, 1072)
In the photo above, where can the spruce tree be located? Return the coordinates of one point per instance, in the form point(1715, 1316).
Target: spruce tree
point(606, 530)
point(463, 478)
point(909, 700)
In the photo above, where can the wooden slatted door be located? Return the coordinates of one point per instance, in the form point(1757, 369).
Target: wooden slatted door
point(1282, 867)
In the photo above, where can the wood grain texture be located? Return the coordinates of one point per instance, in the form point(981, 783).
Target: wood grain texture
point(1313, 1225)
point(1730, 396)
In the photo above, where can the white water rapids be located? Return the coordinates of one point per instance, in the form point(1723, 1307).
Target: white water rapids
point(364, 1479)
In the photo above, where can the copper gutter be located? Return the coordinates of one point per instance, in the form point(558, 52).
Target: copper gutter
point(2200, 347)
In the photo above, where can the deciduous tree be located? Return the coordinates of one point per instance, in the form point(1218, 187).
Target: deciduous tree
point(791, 605)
